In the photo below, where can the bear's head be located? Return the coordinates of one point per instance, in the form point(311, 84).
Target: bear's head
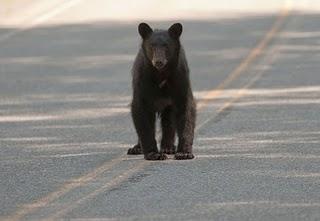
point(161, 47)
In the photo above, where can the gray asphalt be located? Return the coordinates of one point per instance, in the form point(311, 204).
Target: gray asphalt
point(65, 125)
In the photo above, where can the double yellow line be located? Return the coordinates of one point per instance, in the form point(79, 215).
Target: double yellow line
point(85, 179)
point(254, 53)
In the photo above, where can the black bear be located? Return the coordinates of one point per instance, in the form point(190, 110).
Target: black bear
point(161, 87)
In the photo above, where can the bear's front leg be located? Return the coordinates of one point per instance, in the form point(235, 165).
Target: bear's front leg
point(144, 122)
point(168, 131)
point(186, 117)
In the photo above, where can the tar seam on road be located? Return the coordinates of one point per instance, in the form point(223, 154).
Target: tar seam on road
point(82, 180)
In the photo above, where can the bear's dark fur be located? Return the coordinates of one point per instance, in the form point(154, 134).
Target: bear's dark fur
point(161, 86)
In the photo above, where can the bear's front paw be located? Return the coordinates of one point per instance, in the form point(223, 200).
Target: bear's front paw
point(168, 150)
point(155, 156)
point(183, 156)
point(135, 150)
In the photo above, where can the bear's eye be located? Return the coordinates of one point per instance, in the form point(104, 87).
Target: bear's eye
point(159, 45)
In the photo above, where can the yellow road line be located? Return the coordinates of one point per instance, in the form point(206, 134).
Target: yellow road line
point(74, 183)
point(269, 59)
point(255, 52)
point(116, 181)
point(65, 188)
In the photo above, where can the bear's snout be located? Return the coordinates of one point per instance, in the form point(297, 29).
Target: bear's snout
point(159, 64)
point(159, 58)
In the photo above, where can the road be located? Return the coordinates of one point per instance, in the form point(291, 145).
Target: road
point(65, 125)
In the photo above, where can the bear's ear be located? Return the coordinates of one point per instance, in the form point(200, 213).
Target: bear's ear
point(175, 30)
point(144, 30)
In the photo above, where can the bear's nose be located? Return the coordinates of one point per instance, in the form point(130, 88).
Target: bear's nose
point(158, 64)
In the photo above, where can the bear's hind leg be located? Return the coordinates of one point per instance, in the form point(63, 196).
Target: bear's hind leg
point(185, 128)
